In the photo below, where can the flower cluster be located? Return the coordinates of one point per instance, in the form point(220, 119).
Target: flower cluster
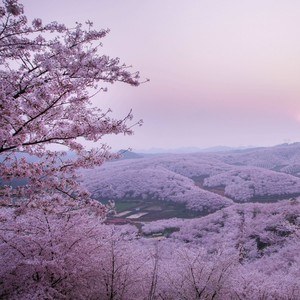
point(47, 73)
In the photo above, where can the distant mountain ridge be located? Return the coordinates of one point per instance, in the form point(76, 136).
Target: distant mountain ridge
point(192, 150)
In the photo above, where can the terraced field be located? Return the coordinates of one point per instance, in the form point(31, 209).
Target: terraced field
point(151, 210)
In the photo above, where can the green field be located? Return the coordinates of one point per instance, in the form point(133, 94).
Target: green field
point(152, 209)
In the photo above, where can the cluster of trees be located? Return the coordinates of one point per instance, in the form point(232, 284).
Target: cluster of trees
point(277, 157)
point(293, 169)
point(232, 254)
point(131, 179)
point(173, 177)
point(259, 230)
point(192, 165)
point(245, 183)
point(159, 226)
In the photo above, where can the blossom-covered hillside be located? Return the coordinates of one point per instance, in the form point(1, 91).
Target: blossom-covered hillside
point(246, 183)
point(253, 229)
point(262, 239)
point(284, 158)
point(125, 179)
point(202, 181)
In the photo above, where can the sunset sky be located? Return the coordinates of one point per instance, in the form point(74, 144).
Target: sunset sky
point(222, 72)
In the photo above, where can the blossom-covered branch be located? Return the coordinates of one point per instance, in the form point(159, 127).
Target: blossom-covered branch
point(48, 75)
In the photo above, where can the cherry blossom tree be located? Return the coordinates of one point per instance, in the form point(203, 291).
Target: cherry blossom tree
point(51, 232)
point(47, 251)
point(126, 270)
point(52, 252)
point(49, 73)
point(195, 275)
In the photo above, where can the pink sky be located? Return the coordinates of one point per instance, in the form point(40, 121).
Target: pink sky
point(222, 72)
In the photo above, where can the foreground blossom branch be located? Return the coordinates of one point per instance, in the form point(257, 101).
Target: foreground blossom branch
point(48, 75)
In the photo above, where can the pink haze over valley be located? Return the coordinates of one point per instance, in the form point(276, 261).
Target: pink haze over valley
point(221, 72)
